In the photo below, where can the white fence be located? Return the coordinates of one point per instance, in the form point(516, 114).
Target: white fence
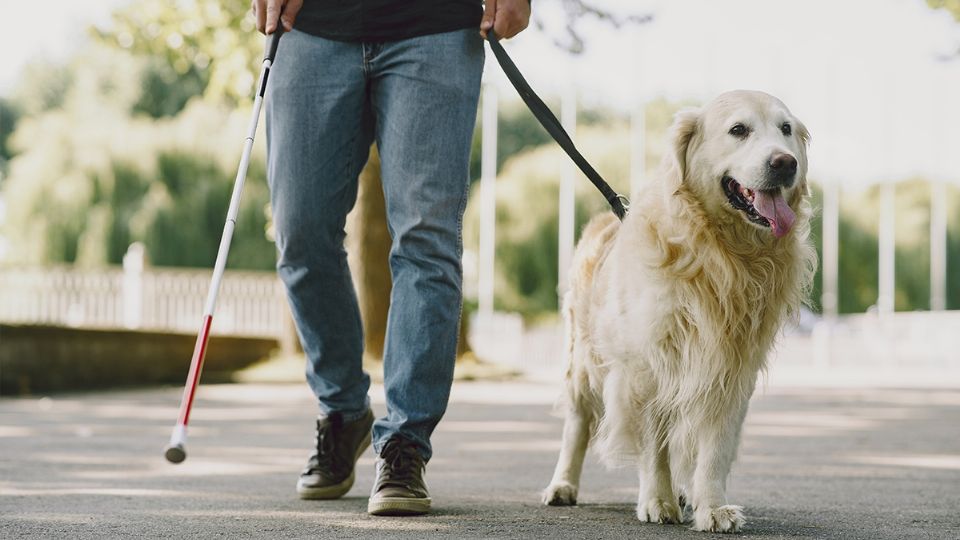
point(903, 348)
point(137, 297)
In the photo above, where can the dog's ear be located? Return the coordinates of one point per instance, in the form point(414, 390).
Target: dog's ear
point(802, 132)
point(804, 135)
point(685, 125)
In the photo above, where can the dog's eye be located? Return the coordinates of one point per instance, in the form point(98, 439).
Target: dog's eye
point(738, 130)
point(786, 129)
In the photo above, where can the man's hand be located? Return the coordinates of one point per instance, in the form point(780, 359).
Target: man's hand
point(267, 12)
point(507, 17)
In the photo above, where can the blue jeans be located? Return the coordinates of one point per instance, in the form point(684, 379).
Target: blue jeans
point(327, 102)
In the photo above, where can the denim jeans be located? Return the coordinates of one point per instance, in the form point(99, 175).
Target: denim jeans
point(327, 102)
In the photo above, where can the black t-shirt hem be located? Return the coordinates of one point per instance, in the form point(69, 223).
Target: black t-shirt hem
point(385, 36)
point(386, 20)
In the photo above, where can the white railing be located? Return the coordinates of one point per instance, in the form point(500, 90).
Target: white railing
point(156, 299)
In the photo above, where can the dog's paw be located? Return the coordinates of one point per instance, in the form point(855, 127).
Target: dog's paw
point(723, 519)
point(657, 510)
point(560, 494)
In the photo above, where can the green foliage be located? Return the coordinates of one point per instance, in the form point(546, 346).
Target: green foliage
point(528, 191)
point(9, 114)
point(517, 130)
point(42, 86)
point(187, 209)
point(953, 249)
point(88, 179)
point(137, 138)
point(166, 92)
point(202, 46)
point(912, 267)
point(527, 217)
point(953, 6)
point(816, 236)
point(859, 248)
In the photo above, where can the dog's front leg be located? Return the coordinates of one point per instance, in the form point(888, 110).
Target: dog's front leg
point(716, 449)
point(657, 503)
point(562, 490)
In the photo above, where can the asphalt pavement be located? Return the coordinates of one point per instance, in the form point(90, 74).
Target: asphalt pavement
point(814, 463)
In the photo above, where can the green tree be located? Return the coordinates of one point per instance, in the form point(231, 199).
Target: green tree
point(527, 214)
point(200, 47)
point(90, 175)
point(953, 249)
point(859, 250)
point(518, 130)
point(953, 6)
point(8, 119)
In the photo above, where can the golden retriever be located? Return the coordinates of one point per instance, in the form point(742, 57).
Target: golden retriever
point(671, 313)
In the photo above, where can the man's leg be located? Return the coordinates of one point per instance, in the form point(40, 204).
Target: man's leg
point(319, 131)
point(424, 93)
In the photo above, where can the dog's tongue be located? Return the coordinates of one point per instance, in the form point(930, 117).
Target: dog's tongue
point(771, 205)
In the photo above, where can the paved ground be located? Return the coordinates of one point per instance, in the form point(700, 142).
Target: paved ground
point(835, 463)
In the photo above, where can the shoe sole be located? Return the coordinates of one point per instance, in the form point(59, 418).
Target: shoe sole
point(398, 506)
point(337, 490)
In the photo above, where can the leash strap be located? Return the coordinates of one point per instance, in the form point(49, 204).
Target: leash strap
point(618, 203)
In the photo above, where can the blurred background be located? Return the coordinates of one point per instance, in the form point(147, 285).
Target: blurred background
point(122, 121)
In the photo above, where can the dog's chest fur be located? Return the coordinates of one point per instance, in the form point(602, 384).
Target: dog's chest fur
point(690, 310)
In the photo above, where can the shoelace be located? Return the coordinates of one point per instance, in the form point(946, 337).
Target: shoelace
point(402, 460)
point(322, 459)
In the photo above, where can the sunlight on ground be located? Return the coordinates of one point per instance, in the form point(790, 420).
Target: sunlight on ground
point(330, 518)
point(540, 445)
point(93, 491)
point(388, 524)
point(808, 420)
point(62, 518)
point(494, 427)
point(948, 462)
point(16, 431)
point(192, 467)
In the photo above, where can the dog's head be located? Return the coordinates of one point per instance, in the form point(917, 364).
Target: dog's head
point(744, 156)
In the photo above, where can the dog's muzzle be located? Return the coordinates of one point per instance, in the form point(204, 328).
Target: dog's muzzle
point(781, 171)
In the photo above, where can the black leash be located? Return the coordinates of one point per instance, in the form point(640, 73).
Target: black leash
point(618, 203)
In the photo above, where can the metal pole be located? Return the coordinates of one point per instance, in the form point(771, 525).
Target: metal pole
point(568, 117)
point(488, 201)
point(887, 283)
point(939, 148)
point(938, 246)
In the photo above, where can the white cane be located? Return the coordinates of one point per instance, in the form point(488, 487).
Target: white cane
point(176, 451)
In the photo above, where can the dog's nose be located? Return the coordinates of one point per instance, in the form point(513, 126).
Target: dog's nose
point(782, 168)
point(783, 162)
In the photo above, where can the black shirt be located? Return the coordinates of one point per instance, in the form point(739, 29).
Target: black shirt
point(386, 20)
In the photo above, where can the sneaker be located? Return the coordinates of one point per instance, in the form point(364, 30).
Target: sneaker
point(329, 473)
point(399, 489)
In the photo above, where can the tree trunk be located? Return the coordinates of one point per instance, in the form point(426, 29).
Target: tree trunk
point(368, 245)
point(463, 346)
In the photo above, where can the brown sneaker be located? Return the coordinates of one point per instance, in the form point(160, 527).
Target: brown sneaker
point(329, 473)
point(399, 489)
